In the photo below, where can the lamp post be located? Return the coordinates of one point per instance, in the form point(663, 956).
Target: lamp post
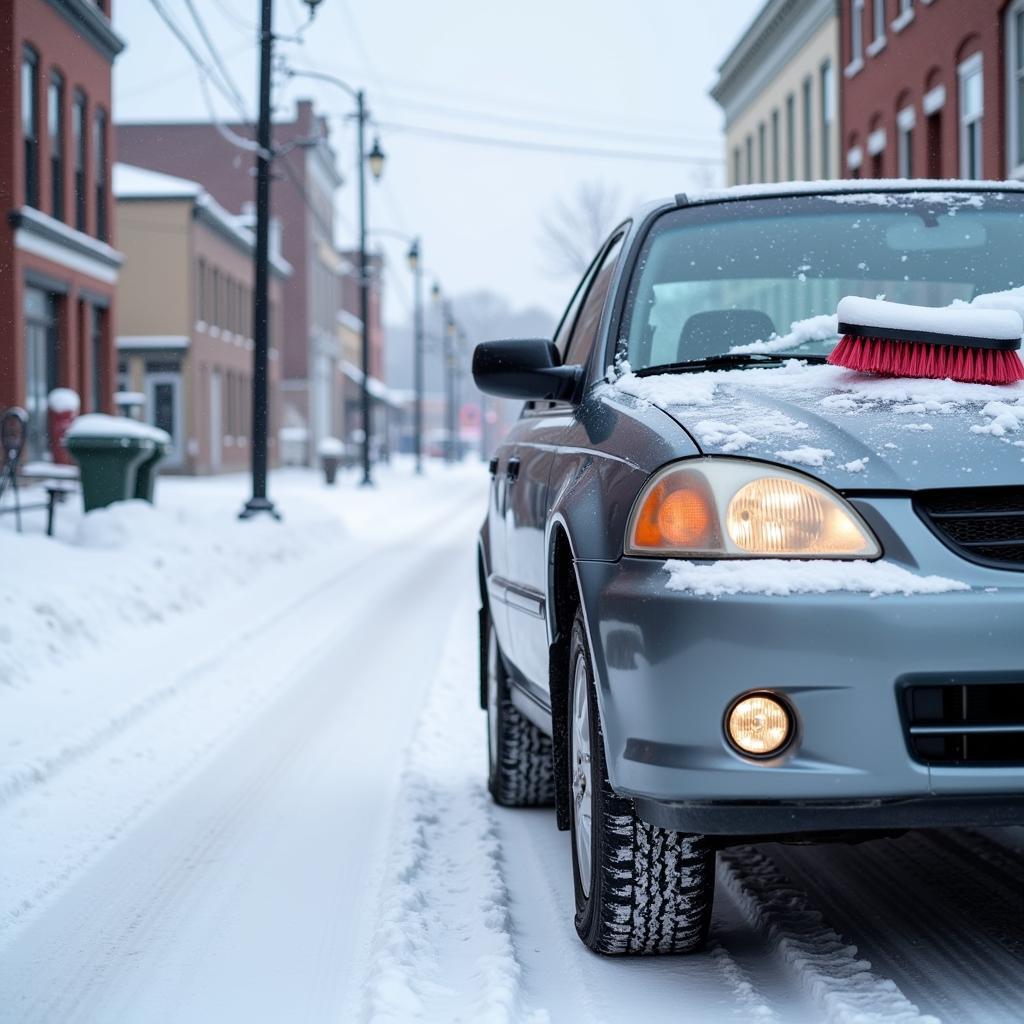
point(259, 502)
point(375, 160)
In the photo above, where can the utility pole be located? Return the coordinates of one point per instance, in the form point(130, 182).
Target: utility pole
point(259, 502)
point(416, 262)
point(364, 289)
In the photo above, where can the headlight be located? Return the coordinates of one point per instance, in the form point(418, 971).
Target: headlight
point(736, 508)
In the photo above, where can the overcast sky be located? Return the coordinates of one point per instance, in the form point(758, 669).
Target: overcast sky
point(630, 77)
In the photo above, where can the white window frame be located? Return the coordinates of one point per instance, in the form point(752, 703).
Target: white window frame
point(906, 121)
point(1014, 169)
point(973, 65)
point(856, 38)
point(877, 43)
point(905, 16)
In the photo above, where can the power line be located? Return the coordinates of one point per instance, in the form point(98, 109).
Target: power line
point(217, 59)
point(549, 147)
point(196, 56)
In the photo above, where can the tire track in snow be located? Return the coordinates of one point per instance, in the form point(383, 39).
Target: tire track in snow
point(443, 949)
point(820, 960)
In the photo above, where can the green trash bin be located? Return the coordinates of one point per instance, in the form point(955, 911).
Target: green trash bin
point(148, 470)
point(109, 451)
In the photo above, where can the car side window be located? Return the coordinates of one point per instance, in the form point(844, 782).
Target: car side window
point(584, 331)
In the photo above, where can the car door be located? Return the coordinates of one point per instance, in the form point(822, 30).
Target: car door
point(534, 440)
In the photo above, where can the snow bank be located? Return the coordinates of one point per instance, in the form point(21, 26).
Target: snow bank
point(786, 577)
point(443, 883)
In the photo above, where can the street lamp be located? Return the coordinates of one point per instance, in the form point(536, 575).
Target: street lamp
point(313, 5)
point(375, 160)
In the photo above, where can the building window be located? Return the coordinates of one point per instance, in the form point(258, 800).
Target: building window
point(736, 165)
point(30, 123)
point(972, 107)
point(808, 88)
point(906, 120)
point(790, 137)
point(78, 142)
point(878, 23)
point(750, 158)
point(1014, 35)
point(42, 357)
point(99, 149)
point(215, 296)
point(96, 338)
point(827, 91)
point(776, 169)
point(762, 166)
point(856, 35)
point(55, 133)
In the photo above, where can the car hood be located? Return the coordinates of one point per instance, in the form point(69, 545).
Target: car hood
point(849, 429)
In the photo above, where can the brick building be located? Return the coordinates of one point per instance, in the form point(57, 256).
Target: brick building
point(932, 88)
point(312, 375)
point(58, 266)
point(185, 318)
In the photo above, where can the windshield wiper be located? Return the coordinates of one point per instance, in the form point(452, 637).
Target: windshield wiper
point(729, 359)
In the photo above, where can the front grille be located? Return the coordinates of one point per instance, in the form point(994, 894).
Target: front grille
point(984, 524)
point(965, 724)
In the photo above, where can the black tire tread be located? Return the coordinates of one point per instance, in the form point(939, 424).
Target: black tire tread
point(652, 889)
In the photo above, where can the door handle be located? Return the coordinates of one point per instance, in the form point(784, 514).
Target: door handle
point(512, 469)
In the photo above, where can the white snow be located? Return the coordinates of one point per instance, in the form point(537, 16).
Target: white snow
point(98, 424)
point(962, 321)
point(806, 455)
point(1003, 419)
point(870, 191)
point(814, 328)
point(731, 439)
point(329, 447)
point(786, 577)
point(857, 465)
point(63, 400)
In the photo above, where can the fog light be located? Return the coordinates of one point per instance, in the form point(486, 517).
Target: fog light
point(759, 725)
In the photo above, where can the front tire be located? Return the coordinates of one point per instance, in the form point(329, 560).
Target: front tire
point(520, 771)
point(639, 888)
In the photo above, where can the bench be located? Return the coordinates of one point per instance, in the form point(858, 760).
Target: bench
point(58, 481)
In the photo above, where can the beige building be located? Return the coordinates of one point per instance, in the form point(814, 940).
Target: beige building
point(185, 318)
point(778, 89)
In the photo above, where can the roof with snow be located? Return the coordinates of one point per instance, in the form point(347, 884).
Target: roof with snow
point(132, 183)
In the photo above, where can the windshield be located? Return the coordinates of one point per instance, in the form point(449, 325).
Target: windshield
point(764, 276)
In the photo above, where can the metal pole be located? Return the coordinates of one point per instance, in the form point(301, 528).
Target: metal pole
point(364, 289)
point(259, 502)
point(418, 354)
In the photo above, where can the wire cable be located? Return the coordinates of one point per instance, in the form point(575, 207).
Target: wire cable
point(217, 59)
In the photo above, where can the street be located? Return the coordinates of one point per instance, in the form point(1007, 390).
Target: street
point(327, 849)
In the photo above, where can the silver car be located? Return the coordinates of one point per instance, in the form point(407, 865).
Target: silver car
point(729, 591)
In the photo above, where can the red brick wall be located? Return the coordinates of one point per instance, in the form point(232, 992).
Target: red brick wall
point(924, 54)
point(82, 66)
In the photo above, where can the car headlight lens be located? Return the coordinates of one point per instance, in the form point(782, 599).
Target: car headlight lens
point(738, 508)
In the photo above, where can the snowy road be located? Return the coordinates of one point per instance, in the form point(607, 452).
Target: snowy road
point(297, 830)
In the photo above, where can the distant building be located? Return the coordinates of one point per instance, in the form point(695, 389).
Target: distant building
point(185, 318)
point(777, 88)
point(306, 177)
point(58, 265)
point(933, 88)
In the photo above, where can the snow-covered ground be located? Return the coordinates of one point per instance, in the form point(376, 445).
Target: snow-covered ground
point(242, 778)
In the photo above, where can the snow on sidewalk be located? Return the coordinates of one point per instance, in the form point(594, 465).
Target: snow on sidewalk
point(444, 949)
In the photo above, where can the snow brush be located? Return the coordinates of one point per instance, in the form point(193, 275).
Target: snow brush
point(964, 343)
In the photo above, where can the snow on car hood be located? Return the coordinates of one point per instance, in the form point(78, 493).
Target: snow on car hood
point(849, 429)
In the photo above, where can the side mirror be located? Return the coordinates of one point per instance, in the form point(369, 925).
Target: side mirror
point(526, 370)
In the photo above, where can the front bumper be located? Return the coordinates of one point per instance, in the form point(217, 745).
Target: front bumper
point(669, 663)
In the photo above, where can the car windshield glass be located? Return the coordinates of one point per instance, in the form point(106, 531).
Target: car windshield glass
point(765, 275)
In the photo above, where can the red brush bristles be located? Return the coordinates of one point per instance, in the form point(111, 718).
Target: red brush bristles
point(917, 359)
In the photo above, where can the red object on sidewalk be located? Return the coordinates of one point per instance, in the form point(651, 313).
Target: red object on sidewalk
point(63, 406)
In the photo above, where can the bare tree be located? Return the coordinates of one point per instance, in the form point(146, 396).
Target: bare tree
point(575, 228)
